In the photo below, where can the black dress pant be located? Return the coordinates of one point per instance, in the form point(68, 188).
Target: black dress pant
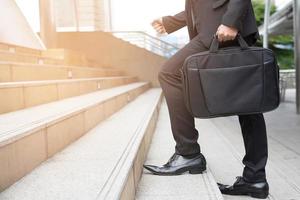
point(183, 124)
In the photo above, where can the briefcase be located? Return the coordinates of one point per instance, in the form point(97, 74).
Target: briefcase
point(231, 81)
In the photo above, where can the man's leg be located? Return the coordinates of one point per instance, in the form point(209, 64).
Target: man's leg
point(182, 122)
point(187, 156)
point(253, 182)
point(256, 147)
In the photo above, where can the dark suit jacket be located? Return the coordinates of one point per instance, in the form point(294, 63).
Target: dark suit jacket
point(209, 14)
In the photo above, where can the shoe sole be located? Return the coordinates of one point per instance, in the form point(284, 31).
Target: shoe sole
point(197, 171)
point(252, 194)
point(259, 195)
point(181, 171)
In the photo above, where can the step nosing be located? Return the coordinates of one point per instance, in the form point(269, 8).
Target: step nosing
point(133, 142)
point(58, 81)
point(28, 55)
point(86, 67)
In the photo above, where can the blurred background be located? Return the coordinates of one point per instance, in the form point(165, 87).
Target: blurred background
point(137, 15)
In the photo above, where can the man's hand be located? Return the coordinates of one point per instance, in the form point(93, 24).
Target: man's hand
point(226, 33)
point(158, 26)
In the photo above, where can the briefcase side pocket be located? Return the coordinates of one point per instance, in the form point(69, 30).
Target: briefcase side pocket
point(193, 94)
point(233, 90)
point(272, 94)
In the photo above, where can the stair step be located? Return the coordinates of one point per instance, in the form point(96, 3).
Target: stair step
point(282, 168)
point(28, 58)
point(69, 56)
point(19, 49)
point(20, 95)
point(49, 56)
point(11, 71)
point(30, 136)
point(104, 164)
point(45, 58)
point(186, 186)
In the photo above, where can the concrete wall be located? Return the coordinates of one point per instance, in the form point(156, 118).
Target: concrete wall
point(47, 23)
point(110, 51)
point(14, 27)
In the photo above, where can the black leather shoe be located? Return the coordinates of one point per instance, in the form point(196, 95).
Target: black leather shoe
point(178, 164)
point(258, 190)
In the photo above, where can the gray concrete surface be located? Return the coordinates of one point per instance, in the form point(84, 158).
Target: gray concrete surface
point(222, 144)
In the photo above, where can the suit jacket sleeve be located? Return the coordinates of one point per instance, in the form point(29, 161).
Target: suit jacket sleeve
point(236, 10)
point(174, 23)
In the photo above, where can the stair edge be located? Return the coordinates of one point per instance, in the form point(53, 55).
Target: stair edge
point(124, 186)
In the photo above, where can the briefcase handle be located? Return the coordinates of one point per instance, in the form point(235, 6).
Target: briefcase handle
point(214, 47)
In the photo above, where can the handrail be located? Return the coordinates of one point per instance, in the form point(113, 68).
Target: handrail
point(147, 41)
point(148, 35)
point(284, 13)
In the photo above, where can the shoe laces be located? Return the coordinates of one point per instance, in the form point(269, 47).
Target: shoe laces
point(172, 158)
point(239, 178)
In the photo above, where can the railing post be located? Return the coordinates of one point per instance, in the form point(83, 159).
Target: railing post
point(76, 15)
point(266, 23)
point(297, 50)
point(110, 15)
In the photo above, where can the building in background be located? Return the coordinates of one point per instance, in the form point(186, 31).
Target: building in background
point(71, 15)
point(82, 15)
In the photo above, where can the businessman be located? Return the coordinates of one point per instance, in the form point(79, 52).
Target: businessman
point(205, 18)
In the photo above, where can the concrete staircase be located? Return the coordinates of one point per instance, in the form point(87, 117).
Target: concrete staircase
point(50, 99)
point(70, 129)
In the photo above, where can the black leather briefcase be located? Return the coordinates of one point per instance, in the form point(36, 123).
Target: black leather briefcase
point(231, 81)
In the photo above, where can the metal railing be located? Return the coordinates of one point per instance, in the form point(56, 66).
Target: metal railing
point(149, 42)
point(287, 81)
point(283, 16)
